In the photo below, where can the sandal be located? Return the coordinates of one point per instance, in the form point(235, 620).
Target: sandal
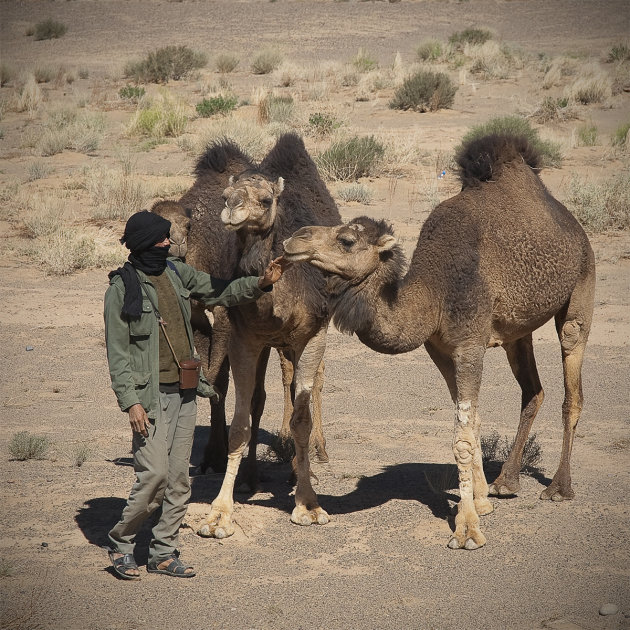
point(123, 564)
point(175, 568)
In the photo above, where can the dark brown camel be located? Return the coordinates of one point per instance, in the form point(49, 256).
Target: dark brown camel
point(491, 265)
point(199, 236)
point(264, 206)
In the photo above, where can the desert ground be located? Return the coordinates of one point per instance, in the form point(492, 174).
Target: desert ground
point(382, 561)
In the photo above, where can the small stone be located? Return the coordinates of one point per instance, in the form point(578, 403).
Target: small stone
point(44, 545)
point(29, 348)
point(608, 609)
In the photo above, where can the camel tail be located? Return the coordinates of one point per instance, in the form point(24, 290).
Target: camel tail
point(221, 156)
point(482, 159)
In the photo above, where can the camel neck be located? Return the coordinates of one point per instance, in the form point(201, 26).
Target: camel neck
point(390, 318)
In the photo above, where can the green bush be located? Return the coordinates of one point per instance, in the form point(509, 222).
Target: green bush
point(49, 29)
point(131, 93)
point(323, 124)
point(266, 61)
point(517, 126)
point(429, 50)
point(216, 105)
point(425, 91)
point(170, 62)
point(476, 36)
point(351, 159)
point(24, 445)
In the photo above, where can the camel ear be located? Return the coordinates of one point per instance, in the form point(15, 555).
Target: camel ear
point(279, 185)
point(385, 243)
point(231, 180)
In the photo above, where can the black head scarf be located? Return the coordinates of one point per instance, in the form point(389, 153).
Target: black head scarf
point(142, 231)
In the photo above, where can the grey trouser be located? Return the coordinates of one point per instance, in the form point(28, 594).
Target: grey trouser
point(161, 463)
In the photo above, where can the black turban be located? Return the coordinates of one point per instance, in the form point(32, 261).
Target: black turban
point(142, 231)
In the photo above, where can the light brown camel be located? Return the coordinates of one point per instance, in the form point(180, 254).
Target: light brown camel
point(491, 265)
point(197, 235)
point(262, 209)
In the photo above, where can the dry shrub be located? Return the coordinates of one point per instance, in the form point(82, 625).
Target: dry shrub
point(492, 60)
point(164, 64)
point(364, 62)
point(600, 207)
point(29, 97)
point(25, 445)
point(276, 108)
point(402, 154)
point(471, 35)
point(226, 63)
point(250, 137)
point(425, 91)
point(42, 217)
point(266, 61)
point(67, 129)
point(350, 159)
point(554, 109)
point(496, 449)
point(49, 29)
point(116, 193)
point(355, 192)
point(37, 169)
point(621, 137)
point(592, 85)
point(430, 50)
point(6, 74)
point(373, 82)
point(287, 74)
point(557, 71)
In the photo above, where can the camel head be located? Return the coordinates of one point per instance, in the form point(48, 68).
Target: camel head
point(180, 225)
point(251, 202)
point(352, 251)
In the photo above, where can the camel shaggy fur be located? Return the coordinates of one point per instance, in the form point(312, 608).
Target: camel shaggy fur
point(491, 265)
point(263, 207)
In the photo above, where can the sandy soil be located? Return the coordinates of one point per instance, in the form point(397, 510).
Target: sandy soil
point(382, 561)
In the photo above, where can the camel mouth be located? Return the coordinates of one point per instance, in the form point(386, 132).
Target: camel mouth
point(296, 257)
point(234, 227)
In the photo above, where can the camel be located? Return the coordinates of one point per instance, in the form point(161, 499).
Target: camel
point(491, 265)
point(264, 206)
point(198, 236)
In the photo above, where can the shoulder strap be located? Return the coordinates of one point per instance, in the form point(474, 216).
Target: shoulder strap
point(172, 266)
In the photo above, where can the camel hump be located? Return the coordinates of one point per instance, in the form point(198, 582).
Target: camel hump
point(482, 159)
point(287, 156)
point(221, 156)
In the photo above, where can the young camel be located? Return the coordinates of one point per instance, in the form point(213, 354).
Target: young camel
point(197, 235)
point(491, 265)
point(262, 210)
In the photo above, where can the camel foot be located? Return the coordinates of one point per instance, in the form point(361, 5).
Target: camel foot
point(474, 540)
point(303, 516)
point(322, 455)
point(502, 486)
point(218, 525)
point(556, 493)
point(483, 507)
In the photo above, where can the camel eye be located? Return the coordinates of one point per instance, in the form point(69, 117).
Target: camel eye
point(266, 201)
point(347, 242)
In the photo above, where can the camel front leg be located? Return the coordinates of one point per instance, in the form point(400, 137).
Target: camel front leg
point(307, 510)
point(473, 488)
point(243, 361)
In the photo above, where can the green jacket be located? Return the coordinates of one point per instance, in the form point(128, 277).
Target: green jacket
point(133, 344)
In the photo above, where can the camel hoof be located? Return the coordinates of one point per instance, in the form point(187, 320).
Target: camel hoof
point(453, 543)
point(483, 507)
point(503, 489)
point(322, 457)
point(204, 531)
point(555, 494)
point(301, 516)
point(471, 544)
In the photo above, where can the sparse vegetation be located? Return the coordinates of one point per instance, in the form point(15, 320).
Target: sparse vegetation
point(619, 52)
point(517, 126)
point(600, 207)
point(322, 124)
point(276, 108)
point(280, 449)
point(25, 445)
point(620, 138)
point(350, 159)
point(266, 61)
point(165, 64)
point(49, 29)
point(355, 192)
point(131, 93)
point(252, 138)
point(84, 73)
point(37, 170)
point(159, 117)
point(80, 454)
point(554, 109)
point(6, 74)
point(226, 63)
point(425, 91)
point(216, 105)
point(475, 36)
point(587, 135)
point(44, 74)
point(429, 50)
point(68, 129)
point(363, 62)
point(495, 449)
point(591, 86)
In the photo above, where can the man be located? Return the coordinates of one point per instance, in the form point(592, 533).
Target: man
point(143, 366)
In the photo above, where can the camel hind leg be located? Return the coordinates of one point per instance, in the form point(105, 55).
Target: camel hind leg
point(520, 355)
point(573, 329)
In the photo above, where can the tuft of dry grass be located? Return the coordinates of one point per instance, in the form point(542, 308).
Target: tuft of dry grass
point(226, 63)
point(252, 138)
point(600, 207)
point(350, 159)
point(159, 116)
point(592, 85)
point(25, 445)
point(496, 449)
point(266, 61)
point(355, 192)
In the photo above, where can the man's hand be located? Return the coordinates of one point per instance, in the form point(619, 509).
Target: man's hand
point(273, 272)
point(138, 419)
